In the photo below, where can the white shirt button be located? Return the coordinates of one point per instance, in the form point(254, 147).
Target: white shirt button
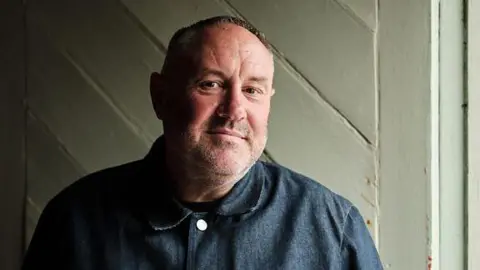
point(202, 225)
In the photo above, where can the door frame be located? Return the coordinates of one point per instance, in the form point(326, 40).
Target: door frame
point(473, 133)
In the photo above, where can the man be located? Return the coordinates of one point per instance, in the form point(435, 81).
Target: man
point(201, 199)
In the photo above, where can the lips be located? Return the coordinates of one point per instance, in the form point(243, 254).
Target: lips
point(226, 131)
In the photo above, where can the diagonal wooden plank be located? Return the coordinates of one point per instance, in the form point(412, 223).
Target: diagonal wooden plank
point(74, 112)
point(161, 47)
point(104, 93)
point(362, 11)
point(118, 55)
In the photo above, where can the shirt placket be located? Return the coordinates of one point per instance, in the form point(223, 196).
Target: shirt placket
point(198, 226)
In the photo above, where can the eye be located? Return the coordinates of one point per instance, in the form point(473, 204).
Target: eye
point(252, 91)
point(208, 85)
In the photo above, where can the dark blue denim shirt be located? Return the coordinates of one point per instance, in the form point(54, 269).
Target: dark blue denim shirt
point(126, 218)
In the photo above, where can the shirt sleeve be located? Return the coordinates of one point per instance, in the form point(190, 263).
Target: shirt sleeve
point(50, 245)
point(358, 249)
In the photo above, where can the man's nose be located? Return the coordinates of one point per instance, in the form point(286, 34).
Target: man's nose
point(232, 107)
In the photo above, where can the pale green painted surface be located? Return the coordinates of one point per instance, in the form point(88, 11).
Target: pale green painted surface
point(452, 180)
point(473, 244)
point(405, 135)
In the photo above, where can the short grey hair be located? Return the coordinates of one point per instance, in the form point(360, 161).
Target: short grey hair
point(181, 41)
point(184, 36)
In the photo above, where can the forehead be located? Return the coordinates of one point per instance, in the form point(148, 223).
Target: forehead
point(229, 45)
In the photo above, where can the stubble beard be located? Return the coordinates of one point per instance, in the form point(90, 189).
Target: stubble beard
point(223, 158)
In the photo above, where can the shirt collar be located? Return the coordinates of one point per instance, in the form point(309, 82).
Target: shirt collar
point(164, 212)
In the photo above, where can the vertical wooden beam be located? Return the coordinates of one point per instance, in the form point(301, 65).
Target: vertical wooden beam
point(473, 58)
point(405, 133)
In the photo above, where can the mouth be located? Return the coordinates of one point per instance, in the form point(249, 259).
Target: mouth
point(227, 132)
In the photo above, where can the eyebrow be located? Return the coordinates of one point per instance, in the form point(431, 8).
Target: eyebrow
point(209, 71)
point(257, 79)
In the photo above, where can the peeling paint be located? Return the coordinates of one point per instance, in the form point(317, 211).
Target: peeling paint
point(370, 182)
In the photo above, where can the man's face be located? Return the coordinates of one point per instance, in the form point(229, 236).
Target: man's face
point(216, 114)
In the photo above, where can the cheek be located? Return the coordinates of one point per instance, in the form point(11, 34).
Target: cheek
point(258, 119)
point(200, 109)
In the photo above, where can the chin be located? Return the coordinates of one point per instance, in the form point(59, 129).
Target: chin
point(231, 169)
point(225, 157)
point(229, 162)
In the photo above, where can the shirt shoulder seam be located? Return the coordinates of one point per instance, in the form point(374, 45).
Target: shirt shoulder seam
point(345, 219)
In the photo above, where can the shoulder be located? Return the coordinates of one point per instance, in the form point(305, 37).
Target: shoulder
point(98, 188)
point(296, 183)
point(331, 220)
point(306, 192)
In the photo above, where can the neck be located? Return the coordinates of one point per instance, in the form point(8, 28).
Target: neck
point(193, 183)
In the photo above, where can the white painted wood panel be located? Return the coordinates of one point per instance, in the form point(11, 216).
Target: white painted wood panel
point(405, 134)
point(112, 49)
point(73, 108)
point(366, 10)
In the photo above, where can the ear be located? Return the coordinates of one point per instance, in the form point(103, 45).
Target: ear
point(273, 91)
point(157, 94)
